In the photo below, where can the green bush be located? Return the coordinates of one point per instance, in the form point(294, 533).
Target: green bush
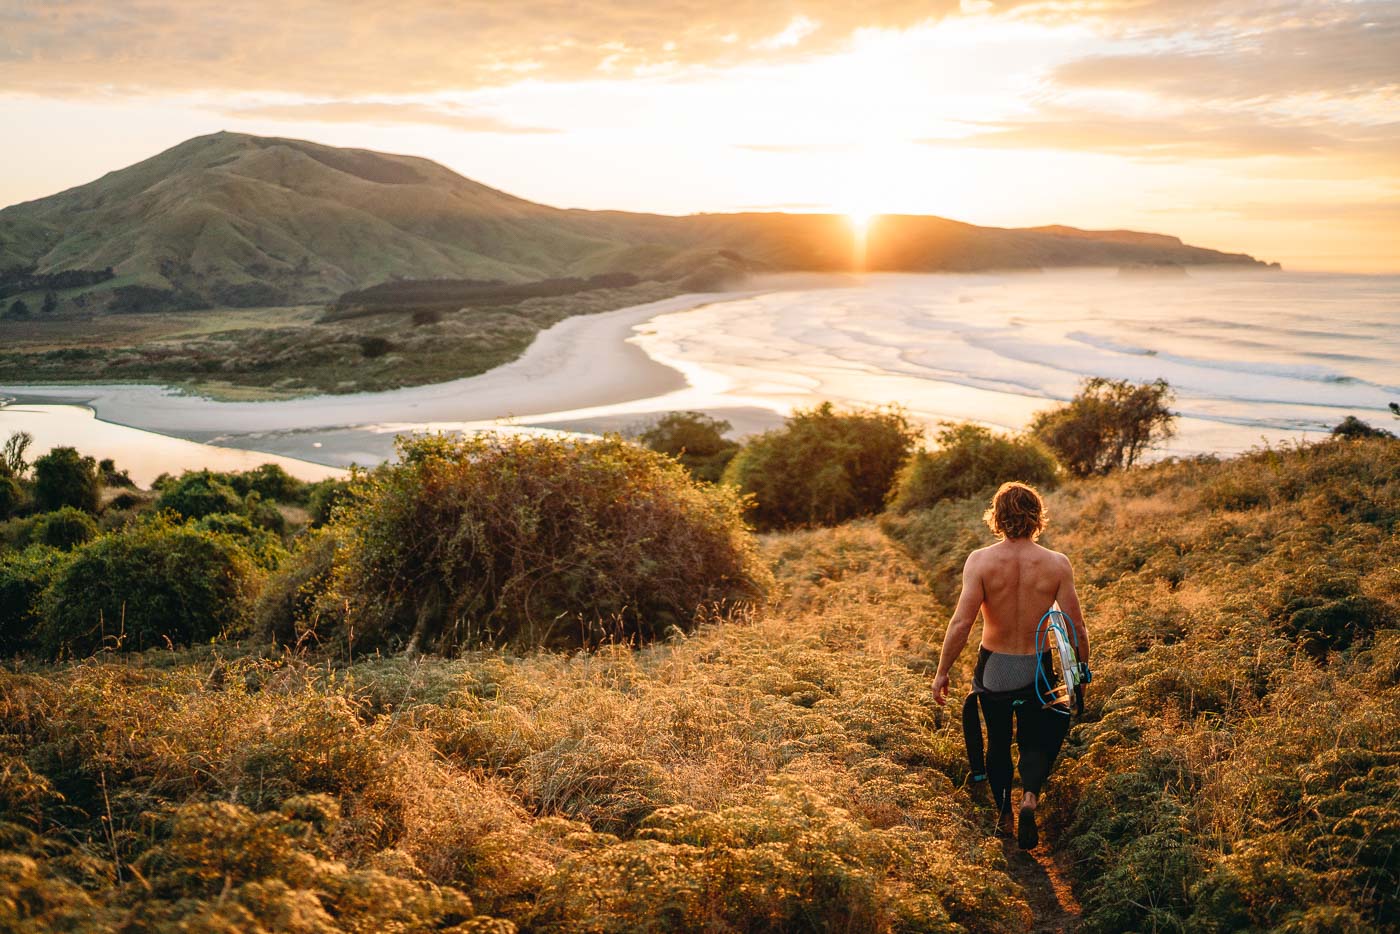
point(823, 467)
point(199, 493)
point(263, 545)
point(24, 575)
point(63, 477)
point(1108, 425)
point(696, 440)
point(63, 528)
point(323, 497)
point(270, 482)
point(537, 542)
point(11, 496)
point(155, 583)
point(970, 460)
point(296, 601)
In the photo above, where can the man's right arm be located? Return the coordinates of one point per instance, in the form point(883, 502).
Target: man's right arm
point(1068, 600)
point(959, 628)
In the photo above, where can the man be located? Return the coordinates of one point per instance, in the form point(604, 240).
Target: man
point(1014, 583)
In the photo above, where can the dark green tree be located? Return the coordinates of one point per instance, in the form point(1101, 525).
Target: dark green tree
point(63, 529)
point(63, 477)
point(12, 460)
point(1353, 427)
point(18, 309)
point(157, 583)
point(200, 493)
point(1108, 425)
point(50, 302)
point(696, 440)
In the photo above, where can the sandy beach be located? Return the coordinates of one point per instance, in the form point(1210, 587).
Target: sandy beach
point(585, 362)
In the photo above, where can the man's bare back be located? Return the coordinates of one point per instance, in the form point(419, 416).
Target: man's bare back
point(1014, 583)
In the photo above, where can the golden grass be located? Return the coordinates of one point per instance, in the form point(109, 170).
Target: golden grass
point(775, 773)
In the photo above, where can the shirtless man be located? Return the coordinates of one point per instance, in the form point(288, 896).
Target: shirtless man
point(1013, 583)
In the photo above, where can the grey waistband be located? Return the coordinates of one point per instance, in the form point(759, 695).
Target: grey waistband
point(1008, 672)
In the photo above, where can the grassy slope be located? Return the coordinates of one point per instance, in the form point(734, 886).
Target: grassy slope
point(768, 774)
point(779, 772)
point(1238, 767)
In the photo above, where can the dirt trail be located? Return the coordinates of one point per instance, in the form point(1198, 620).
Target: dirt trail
point(1047, 889)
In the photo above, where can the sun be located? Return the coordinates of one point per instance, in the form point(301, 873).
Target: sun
point(860, 220)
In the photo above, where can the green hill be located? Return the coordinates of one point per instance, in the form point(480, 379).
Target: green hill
point(232, 219)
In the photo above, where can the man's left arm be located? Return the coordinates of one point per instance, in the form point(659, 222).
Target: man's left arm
point(959, 628)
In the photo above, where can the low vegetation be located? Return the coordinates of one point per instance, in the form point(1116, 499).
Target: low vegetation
point(695, 439)
point(970, 460)
point(243, 748)
point(1237, 767)
point(535, 542)
point(287, 351)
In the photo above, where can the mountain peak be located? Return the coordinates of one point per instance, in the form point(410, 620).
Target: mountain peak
point(270, 220)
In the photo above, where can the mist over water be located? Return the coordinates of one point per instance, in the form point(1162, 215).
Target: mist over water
point(1251, 355)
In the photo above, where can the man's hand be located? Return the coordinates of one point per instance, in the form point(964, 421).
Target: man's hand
point(940, 690)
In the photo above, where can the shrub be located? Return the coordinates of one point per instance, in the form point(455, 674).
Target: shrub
point(63, 477)
point(11, 496)
point(696, 440)
point(296, 601)
point(971, 459)
point(264, 546)
point(154, 583)
point(64, 528)
point(323, 497)
point(1353, 427)
point(199, 493)
point(269, 481)
point(111, 476)
point(537, 542)
point(24, 575)
point(1108, 425)
point(822, 467)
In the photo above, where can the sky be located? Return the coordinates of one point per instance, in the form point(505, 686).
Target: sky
point(1270, 127)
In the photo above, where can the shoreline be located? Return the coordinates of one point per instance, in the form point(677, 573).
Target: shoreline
point(584, 362)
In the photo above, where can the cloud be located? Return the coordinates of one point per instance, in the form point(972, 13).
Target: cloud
point(1250, 51)
point(797, 147)
point(1197, 135)
point(383, 112)
point(346, 48)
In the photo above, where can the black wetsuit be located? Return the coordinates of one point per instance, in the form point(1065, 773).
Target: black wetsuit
point(1039, 731)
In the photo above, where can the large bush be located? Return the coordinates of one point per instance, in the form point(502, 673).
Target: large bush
point(154, 583)
point(537, 542)
point(969, 460)
point(200, 493)
point(696, 440)
point(63, 477)
point(23, 577)
point(1108, 425)
point(63, 528)
point(823, 467)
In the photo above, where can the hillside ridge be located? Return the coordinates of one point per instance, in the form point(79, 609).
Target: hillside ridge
point(235, 219)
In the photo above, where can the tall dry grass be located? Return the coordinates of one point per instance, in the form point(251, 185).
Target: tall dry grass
point(780, 772)
point(1238, 766)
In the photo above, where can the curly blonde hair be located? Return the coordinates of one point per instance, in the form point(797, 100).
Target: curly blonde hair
point(1017, 511)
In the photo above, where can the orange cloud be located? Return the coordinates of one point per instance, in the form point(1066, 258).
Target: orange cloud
point(345, 48)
